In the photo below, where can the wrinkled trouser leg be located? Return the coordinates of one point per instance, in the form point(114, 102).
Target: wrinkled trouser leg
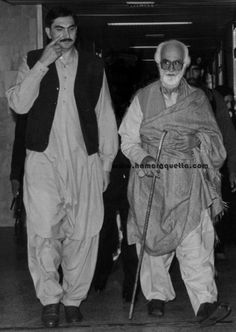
point(155, 278)
point(196, 260)
point(77, 258)
point(78, 265)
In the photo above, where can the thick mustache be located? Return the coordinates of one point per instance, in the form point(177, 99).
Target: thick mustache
point(66, 39)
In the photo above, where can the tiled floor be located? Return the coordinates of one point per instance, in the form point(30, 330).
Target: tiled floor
point(20, 310)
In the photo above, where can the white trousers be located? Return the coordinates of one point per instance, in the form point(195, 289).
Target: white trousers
point(77, 259)
point(196, 260)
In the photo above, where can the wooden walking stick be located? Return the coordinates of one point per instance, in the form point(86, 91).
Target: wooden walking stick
point(149, 206)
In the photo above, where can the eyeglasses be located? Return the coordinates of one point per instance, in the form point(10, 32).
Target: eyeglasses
point(167, 65)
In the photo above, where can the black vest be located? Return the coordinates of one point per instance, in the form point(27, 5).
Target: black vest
point(87, 88)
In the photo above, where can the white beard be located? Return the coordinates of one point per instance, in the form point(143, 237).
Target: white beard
point(170, 80)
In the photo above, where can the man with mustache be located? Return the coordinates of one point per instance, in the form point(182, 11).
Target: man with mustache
point(186, 196)
point(71, 141)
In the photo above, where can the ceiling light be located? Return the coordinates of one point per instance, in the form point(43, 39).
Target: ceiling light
point(148, 46)
point(140, 3)
point(146, 23)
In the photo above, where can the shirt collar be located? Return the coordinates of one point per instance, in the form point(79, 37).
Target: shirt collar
point(72, 56)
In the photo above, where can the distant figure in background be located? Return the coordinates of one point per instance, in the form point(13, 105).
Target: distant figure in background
point(226, 227)
point(228, 95)
point(16, 177)
point(116, 203)
point(221, 99)
point(122, 76)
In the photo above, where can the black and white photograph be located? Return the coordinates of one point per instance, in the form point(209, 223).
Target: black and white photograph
point(118, 165)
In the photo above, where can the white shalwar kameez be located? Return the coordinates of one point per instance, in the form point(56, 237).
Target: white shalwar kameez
point(63, 187)
point(195, 253)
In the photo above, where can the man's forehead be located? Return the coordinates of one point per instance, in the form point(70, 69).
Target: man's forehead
point(172, 51)
point(65, 22)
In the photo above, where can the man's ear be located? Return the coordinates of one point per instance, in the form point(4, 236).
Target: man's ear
point(48, 33)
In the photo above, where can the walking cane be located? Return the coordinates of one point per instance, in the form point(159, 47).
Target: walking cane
point(150, 198)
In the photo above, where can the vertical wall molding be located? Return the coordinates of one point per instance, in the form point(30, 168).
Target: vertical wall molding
point(39, 26)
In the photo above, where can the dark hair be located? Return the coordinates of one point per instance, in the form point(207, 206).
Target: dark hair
point(56, 12)
point(224, 90)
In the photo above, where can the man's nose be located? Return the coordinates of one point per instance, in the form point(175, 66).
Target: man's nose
point(171, 67)
point(66, 33)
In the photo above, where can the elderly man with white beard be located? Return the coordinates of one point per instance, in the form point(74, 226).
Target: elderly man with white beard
point(187, 192)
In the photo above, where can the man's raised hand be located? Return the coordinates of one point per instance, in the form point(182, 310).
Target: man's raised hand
point(51, 52)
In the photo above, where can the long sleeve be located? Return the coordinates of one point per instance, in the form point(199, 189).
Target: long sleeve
point(107, 128)
point(23, 94)
point(129, 132)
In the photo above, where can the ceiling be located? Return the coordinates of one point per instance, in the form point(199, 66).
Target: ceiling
point(209, 18)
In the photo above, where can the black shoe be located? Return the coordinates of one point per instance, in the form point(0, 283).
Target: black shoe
point(211, 313)
point(156, 307)
point(73, 314)
point(50, 315)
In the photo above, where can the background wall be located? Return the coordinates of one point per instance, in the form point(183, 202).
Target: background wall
point(19, 33)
